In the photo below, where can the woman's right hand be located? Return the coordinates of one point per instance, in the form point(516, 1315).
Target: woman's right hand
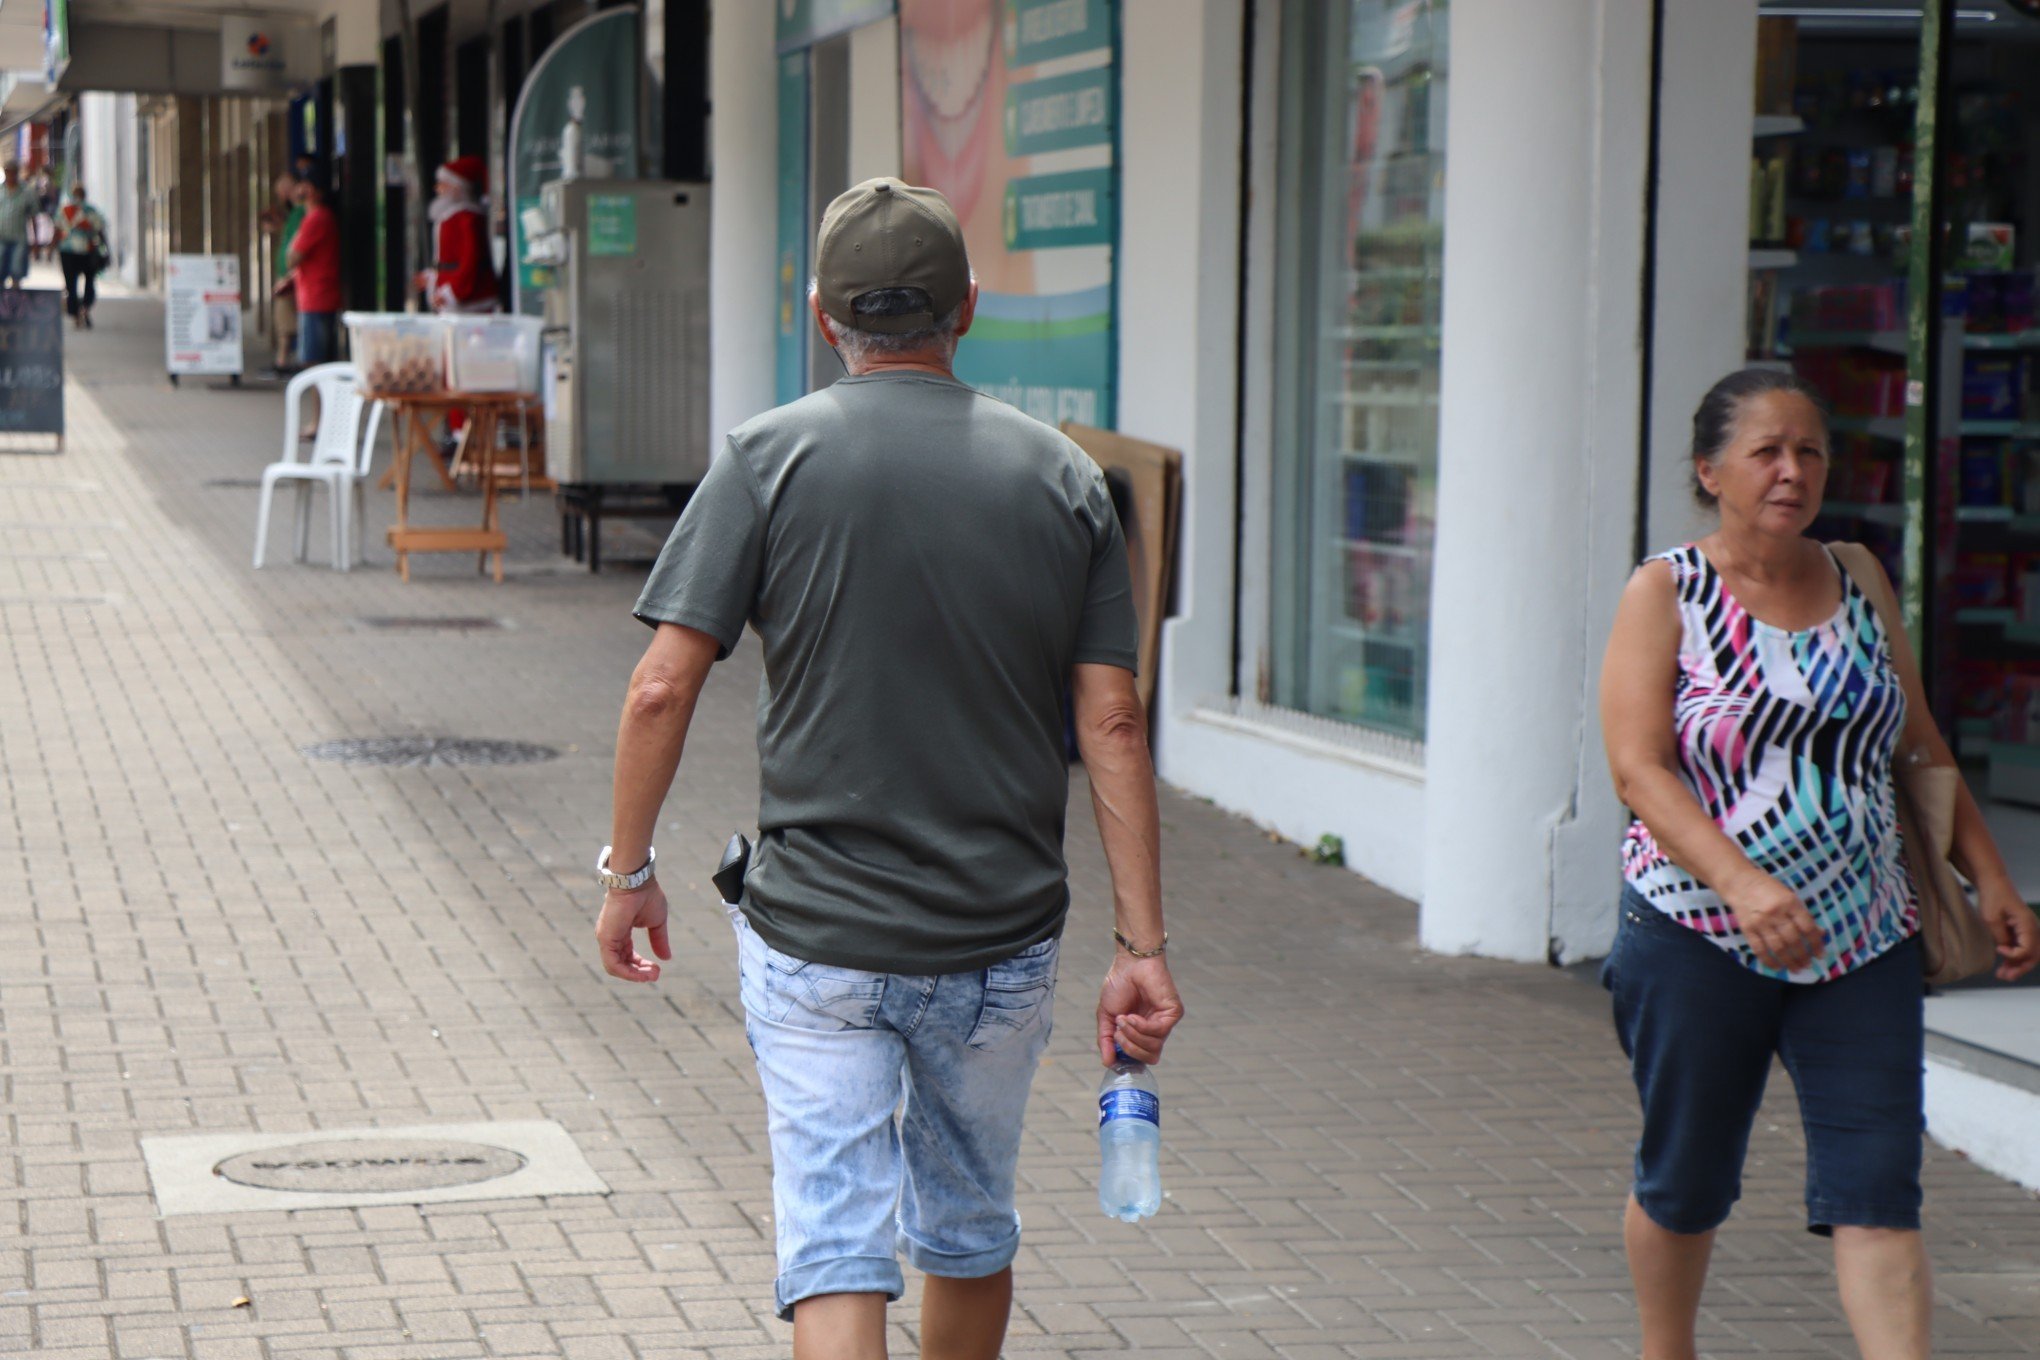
point(1775, 922)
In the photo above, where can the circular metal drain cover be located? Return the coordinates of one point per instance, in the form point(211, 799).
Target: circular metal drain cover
point(429, 751)
point(356, 1166)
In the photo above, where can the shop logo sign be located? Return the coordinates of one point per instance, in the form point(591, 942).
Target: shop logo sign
point(252, 57)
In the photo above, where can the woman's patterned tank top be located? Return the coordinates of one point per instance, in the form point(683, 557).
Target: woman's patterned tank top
point(1787, 738)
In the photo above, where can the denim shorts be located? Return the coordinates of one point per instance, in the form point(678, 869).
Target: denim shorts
point(894, 1104)
point(1701, 1031)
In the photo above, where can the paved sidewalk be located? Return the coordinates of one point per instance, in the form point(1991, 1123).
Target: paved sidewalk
point(1370, 1152)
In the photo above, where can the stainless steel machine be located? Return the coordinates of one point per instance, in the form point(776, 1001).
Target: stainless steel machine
point(626, 355)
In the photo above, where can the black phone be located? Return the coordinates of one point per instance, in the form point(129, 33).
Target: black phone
point(729, 875)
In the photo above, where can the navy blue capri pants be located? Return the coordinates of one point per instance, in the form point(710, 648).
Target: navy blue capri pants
point(1701, 1030)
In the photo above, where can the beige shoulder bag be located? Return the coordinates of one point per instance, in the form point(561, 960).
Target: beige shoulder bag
point(1954, 940)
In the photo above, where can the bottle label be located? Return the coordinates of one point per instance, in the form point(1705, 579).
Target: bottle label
point(1130, 1105)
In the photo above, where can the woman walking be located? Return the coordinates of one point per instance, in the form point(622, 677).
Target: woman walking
point(81, 249)
point(1754, 708)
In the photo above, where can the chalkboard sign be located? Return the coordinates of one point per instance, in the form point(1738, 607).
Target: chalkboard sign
point(32, 361)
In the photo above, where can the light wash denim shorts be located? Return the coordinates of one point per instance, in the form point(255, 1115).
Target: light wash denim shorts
point(894, 1104)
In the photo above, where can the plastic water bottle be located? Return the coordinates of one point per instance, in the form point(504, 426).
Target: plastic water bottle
point(1129, 1141)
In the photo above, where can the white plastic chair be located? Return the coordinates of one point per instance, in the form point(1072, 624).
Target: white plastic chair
point(340, 455)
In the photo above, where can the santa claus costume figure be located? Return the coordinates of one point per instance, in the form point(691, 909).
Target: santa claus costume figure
point(463, 276)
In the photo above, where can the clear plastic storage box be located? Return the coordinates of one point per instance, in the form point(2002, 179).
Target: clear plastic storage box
point(492, 353)
point(398, 351)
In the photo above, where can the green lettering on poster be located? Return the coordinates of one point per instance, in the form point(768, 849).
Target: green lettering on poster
point(1070, 209)
point(1060, 112)
point(612, 224)
point(1042, 30)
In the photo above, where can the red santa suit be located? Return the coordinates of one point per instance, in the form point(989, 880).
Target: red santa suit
point(463, 275)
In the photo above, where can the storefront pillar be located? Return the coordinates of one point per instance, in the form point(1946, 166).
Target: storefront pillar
point(1536, 496)
point(1179, 306)
point(743, 291)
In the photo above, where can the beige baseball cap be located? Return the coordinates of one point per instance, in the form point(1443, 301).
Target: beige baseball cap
point(886, 233)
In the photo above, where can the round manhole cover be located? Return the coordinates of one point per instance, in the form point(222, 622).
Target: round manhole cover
point(356, 1166)
point(429, 751)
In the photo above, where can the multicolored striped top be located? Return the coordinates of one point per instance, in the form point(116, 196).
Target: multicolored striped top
point(1786, 738)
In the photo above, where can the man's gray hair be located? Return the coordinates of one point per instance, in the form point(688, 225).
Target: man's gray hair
point(861, 347)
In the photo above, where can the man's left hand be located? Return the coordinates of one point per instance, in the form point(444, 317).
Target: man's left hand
point(2014, 927)
point(623, 912)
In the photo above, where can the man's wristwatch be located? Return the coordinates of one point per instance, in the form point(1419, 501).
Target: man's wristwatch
point(625, 882)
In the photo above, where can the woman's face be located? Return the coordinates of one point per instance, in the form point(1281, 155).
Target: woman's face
point(1773, 472)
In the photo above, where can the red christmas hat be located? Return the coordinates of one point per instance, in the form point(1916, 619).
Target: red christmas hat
point(471, 171)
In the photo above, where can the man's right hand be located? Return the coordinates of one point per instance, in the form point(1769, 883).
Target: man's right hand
point(1137, 1007)
point(624, 912)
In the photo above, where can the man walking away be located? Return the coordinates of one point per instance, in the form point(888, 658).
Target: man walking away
point(281, 219)
point(314, 260)
point(928, 570)
point(18, 205)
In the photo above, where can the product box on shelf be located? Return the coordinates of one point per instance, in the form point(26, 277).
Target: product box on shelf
point(1993, 303)
point(1989, 245)
point(1849, 307)
point(2022, 478)
point(1993, 386)
point(1777, 64)
point(2018, 715)
point(1983, 472)
point(1979, 688)
point(1981, 580)
point(2025, 587)
point(398, 352)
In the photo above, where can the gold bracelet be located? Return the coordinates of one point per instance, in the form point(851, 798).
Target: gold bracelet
point(1154, 953)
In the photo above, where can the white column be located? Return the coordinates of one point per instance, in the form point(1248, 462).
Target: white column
point(1538, 436)
point(743, 296)
point(875, 100)
point(1178, 273)
point(1703, 236)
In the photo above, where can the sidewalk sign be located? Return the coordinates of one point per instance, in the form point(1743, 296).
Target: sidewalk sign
point(202, 318)
point(32, 362)
point(1150, 477)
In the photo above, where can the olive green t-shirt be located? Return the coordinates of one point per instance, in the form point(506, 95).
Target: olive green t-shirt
point(923, 564)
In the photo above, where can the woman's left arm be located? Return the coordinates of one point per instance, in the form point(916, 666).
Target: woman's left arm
point(1975, 851)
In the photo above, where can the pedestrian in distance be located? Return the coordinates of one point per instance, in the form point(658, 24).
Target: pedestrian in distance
point(82, 251)
point(45, 222)
point(17, 219)
point(281, 220)
point(929, 572)
point(1755, 708)
point(314, 277)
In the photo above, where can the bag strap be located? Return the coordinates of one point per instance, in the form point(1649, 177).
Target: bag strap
point(1857, 561)
point(1862, 567)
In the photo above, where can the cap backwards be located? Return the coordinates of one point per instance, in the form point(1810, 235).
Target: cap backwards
point(885, 233)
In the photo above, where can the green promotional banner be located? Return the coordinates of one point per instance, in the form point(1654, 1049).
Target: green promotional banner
point(790, 380)
point(1043, 30)
point(1060, 113)
point(1070, 209)
point(803, 23)
point(1025, 153)
point(589, 75)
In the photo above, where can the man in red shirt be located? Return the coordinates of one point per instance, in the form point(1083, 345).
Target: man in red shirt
point(315, 275)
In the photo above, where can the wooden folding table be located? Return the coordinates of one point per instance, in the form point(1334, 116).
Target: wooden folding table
point(416, 414)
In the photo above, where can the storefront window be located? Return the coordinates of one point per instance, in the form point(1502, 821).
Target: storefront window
point(1358, 263)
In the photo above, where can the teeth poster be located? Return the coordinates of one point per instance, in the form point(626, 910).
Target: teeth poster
point(1010, 108)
